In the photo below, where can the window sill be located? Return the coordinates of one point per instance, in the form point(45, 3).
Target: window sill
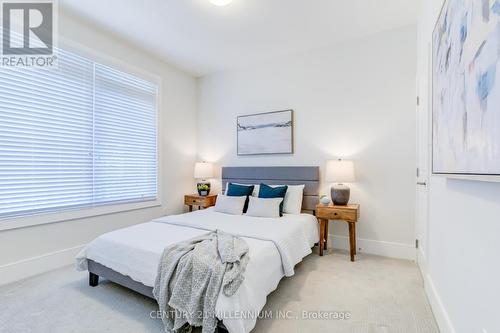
point(68, 215)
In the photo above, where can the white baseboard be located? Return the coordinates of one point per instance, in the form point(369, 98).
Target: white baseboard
point(36, 265)
point(440, 314)
point(381, 248)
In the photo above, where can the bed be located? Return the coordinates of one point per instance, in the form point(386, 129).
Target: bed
point(130, 256)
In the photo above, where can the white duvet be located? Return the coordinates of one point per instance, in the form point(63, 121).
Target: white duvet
point(135, 251)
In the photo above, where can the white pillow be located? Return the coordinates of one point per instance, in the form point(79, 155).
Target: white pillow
point(230, 205)
point(293, 199)
point(263, 207)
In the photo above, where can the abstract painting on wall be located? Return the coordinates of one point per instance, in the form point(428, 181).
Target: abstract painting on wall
point(466, 89)
point(265, 133)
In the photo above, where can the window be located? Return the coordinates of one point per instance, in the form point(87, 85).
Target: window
point(77, 136)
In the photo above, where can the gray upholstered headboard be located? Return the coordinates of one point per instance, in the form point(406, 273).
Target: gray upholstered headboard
point(287, 175)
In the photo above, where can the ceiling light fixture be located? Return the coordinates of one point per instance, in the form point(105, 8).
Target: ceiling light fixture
point(220, 2)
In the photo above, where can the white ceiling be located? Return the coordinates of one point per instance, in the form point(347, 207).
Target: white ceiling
point(202, 38)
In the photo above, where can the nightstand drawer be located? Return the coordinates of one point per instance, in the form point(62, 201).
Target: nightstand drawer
point(195, 201)
point(337, 214)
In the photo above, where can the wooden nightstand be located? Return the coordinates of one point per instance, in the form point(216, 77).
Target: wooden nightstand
point(349, 214)
point(197, 200)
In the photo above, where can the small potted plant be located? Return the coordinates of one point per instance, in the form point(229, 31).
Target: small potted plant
point(203, 189)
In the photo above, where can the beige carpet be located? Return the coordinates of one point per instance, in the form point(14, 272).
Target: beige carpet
point(380, 295)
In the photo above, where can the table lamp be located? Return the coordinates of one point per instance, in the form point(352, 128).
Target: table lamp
point(203, 171)
point(340, 172)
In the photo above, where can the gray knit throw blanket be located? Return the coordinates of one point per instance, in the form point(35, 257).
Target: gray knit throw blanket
point(191, 275)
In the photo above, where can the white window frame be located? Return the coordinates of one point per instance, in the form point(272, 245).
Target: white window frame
point(68, 214)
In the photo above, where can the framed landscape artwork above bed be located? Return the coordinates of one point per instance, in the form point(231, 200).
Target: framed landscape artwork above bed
point(466, 90)
point(265, 133)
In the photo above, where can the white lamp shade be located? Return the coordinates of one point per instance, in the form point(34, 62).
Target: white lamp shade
point(203, 170)
point(340, 171)
point(220, 2)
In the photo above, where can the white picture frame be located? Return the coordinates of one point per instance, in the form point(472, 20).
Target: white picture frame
point(265, 133)
point(465, 98)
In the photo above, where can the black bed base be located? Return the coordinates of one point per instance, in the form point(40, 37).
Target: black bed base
point(93, 279)
point(96, 270)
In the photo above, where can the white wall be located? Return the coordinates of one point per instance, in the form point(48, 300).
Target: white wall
point(353, 100)
point(461, 265)
point(36, 249)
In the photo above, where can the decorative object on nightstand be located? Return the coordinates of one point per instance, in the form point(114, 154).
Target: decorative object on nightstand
point(340, 172)
point(324, 200)
point(200, 201)
point(348, 213)
point(203, 171)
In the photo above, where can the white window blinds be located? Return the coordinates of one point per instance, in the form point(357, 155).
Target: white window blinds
point(124, 137)
point(80, 135)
